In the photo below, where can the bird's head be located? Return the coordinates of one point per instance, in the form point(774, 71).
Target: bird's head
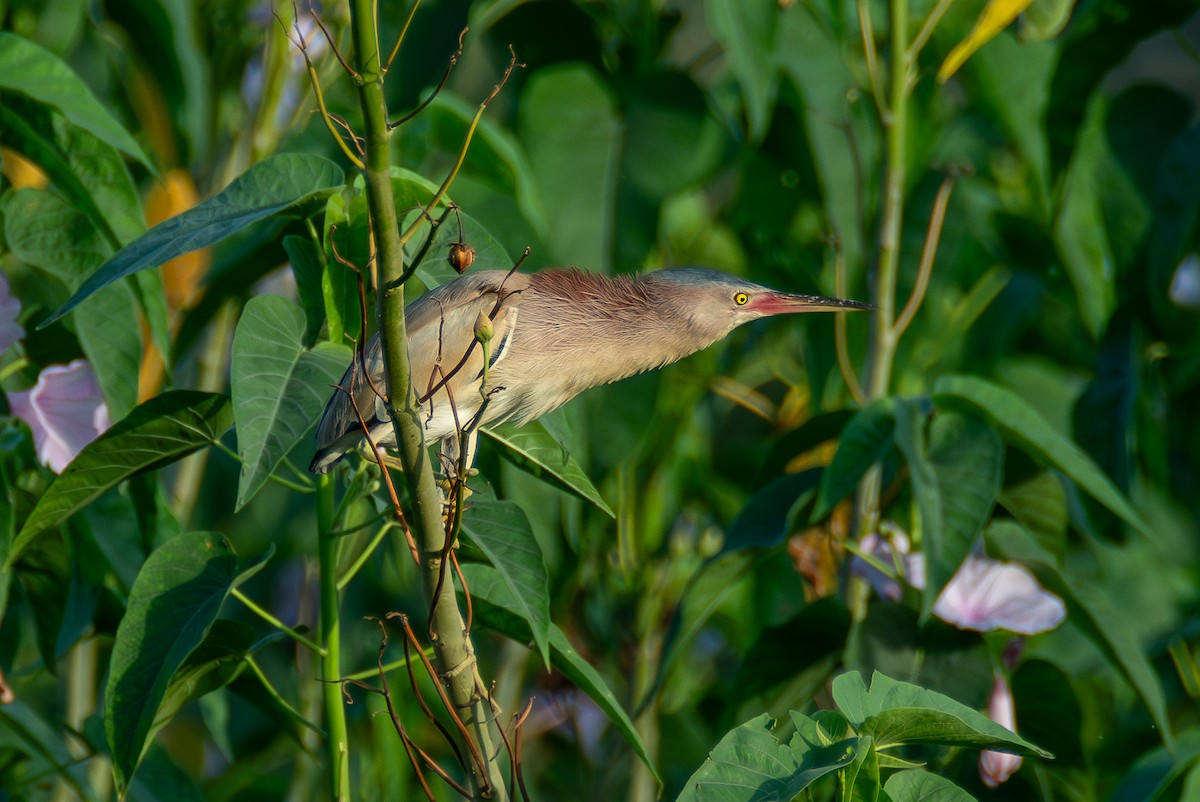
point(715, 303)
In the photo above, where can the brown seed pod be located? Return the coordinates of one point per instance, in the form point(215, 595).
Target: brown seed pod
point(461, 256)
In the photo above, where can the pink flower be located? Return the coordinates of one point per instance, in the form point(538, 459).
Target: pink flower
point(986, 594)
point(912, 566)
point(10, 330)
point(65, 411)
point(996, 767)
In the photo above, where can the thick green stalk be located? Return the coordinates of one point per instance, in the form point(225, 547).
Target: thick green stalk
point(336, 738)
point(452, 645)
point(886, 335)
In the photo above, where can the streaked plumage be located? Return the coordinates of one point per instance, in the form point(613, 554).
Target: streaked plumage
point(556, 333)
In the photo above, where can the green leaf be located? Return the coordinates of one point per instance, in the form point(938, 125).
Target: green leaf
point(956, 477)
point(750, 765)
point(37, 73)
point(534, 450)
point(567, 122)
point(767, 517)
point(1095, 614)
point(307, 268)
point(747, 33)
point(172, 605)
point(270, 186)
point(215, 663)
point(896, 713)
point(1023, 426)
point(161, 431)
point(498, 611)
point(863, 442)
point(501, 531)
point(26, 730)
point(1082, 244)
point(278, 388)
point(923, 786)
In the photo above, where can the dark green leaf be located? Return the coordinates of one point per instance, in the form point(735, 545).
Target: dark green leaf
point(278, 388)
point(27, 68)
point(270, 186)
point(767, 517)
point(862, 443)
point(1022, 425)
point(162, 430)
point(533, 449)
point(501, 531)
point(747, 33)
point(307, 268)
point(172, 605)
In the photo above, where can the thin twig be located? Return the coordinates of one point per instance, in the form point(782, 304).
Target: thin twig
point(935, 16)
point(454, 57)
point(480, 765)
point(932, 237)
point(332, 44)
point(400, 39)
point(462, 153)
point(841, 343)
point(302, 46)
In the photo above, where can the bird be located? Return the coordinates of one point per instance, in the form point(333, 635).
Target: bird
point(496, 346)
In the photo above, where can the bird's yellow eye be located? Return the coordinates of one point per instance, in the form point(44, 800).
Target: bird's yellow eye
point(741, 298)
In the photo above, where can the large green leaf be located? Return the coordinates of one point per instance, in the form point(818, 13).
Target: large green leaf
point(270, 186)
point(501, 531)
point(534, 450)
point(1022, 425)
point(750, 765)
point(896, 713)
point(766, 519)
point(923, 786)
point(567, 122)
point(162, 430)
point(862, 443)
point(501, 612)
point(956, 475)
point(307, 269)
point(278, 387)
point(747, 33)
point(37, 73)
point(172, 605)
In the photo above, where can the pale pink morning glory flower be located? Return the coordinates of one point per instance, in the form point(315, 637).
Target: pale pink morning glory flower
point(986, 594)
point(10, 330)
point(996, 767)
point(983, 595)
point(65, 411)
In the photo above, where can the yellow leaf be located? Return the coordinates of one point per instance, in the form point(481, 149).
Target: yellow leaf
point(995, 18)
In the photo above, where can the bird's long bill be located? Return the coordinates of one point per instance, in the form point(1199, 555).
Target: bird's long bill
point(783, 303)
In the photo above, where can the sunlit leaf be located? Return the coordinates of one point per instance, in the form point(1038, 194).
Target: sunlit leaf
point(751, 765)
point(501, 531)
point(487, 585)
point(278, 387)
point(896, 713)
point(995, 17)
point(533, 449)
point(270, 186)
point(27, 68)
point(923, 786)
point(162, 430)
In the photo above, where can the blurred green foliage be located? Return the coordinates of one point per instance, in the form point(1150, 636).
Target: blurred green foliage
point(696, 546)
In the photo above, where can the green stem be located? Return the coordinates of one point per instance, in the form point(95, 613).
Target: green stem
point(275, 622)
point(894, 114)
point(337, 741)
point(452, 645)
point(269, 687)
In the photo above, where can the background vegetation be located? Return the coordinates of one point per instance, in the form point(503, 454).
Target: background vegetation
point(1026, 390)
